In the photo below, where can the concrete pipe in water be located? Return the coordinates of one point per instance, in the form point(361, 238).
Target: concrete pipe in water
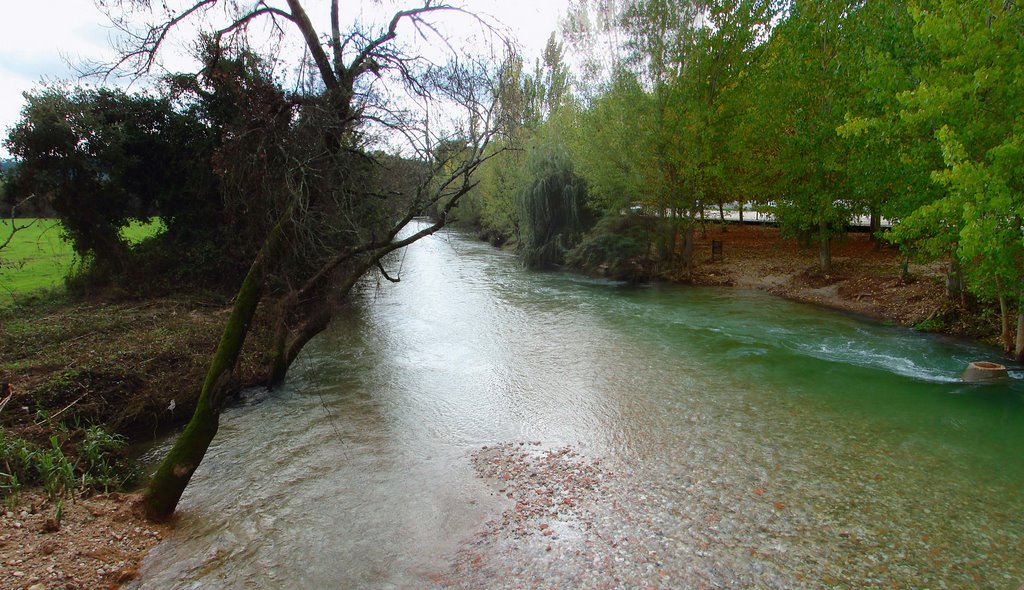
point(982, 371)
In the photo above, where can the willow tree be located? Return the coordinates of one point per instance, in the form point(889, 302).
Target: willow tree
point(552, 205)
point(329, 228)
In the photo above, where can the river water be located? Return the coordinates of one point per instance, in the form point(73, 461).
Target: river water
point(755, 442)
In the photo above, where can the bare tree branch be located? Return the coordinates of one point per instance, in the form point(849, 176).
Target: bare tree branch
point(361, 64)
point(385, 274)
point(301, 19)
point(243, 21)
point(15, 228)
point(336, 44)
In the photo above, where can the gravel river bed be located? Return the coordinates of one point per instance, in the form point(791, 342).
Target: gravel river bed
point(573, 522)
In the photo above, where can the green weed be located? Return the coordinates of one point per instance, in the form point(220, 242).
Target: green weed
point(100, 451)
point(930, 325)
point(58, 512)
point(56, 472)
point(99, 465)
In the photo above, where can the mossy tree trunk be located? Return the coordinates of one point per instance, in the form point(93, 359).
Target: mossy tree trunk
point(175, 471)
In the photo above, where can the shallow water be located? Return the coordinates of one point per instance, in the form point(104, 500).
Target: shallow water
point(777, 444)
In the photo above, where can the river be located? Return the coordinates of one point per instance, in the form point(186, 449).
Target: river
point(754, 442)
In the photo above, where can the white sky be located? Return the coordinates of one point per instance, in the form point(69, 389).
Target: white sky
point(38, 38)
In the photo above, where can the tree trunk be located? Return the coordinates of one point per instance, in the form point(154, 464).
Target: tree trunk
point(287, 347)
point(954, 281)
point(688, 249)
point(824, 247)
point(876, 228)
point(905, 268)
point(175, 471)
point(1004, 320)
point(1019, 352)
point(667, 239)
point(741, 211)
point(278, 365)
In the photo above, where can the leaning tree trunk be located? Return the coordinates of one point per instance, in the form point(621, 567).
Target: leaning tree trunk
point(288, 342)
point(169, 482)
point(824, 247)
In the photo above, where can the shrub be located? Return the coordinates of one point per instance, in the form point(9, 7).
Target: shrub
point(617, 247)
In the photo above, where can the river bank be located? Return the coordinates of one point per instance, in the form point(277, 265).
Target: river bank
point(125, 362)
point(99, 543)
point(866, 278)
point(133, 367)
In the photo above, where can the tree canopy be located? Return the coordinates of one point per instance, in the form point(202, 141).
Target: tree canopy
point(815, 112)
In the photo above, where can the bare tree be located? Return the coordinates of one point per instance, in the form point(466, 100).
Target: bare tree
point(12, 226)
point(328, 231)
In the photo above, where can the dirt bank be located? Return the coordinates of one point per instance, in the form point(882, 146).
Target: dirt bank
point(866, 279)
point(120, 364)
point(132, 366)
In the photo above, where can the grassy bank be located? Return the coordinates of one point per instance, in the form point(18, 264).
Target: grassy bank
point(38, 258)
point(132, 368)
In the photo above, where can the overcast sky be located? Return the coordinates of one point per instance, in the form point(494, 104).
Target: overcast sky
point(39, 38)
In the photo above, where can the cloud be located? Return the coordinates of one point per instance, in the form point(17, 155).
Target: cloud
point(33, 66)
point(37, 38)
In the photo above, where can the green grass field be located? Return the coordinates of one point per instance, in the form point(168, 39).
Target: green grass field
point(38, 257)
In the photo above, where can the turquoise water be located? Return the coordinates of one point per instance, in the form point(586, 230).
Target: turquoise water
point(776, 444)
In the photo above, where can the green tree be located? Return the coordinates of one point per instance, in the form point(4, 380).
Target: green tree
point(970, 92)
point(102, 158)
point(668, 114)
point(492, 207)
point(889, 160)
point(807, 82)
point(552, 205)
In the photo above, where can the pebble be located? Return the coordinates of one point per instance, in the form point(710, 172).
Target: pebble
point(707, 525)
